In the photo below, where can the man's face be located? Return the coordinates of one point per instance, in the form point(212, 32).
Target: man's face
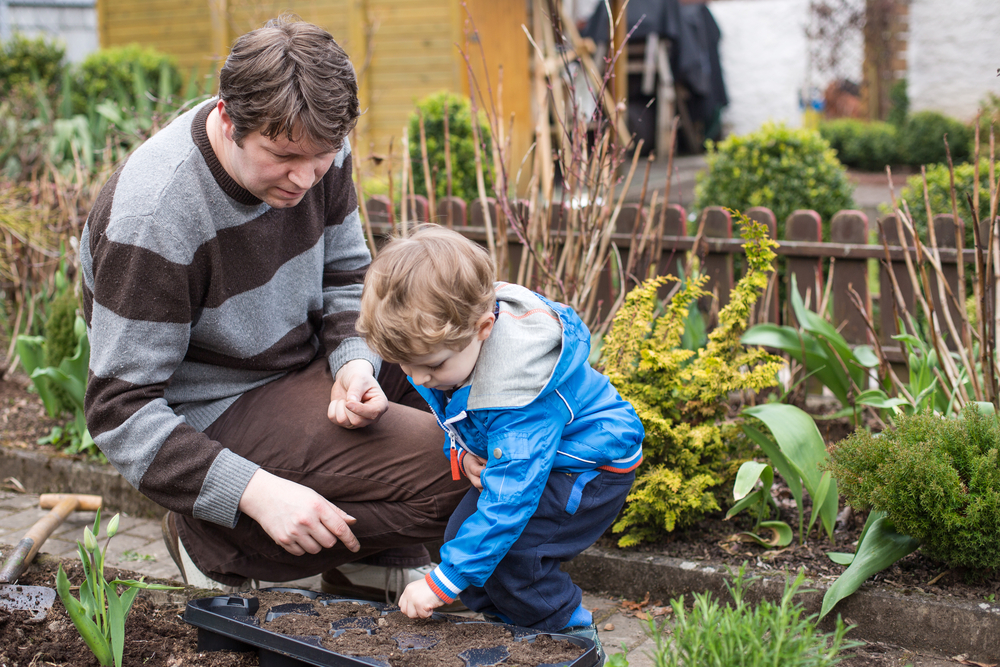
point(278, 172)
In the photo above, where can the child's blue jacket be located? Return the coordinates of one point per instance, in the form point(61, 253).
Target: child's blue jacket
point(533, 406)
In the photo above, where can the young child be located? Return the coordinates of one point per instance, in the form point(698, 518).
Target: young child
point(549, 445)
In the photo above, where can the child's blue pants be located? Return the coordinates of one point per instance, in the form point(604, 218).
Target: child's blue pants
point(528, 586)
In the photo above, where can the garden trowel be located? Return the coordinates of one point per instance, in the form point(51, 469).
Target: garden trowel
point(38, 599)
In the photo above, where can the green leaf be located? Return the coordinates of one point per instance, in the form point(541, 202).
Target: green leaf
point(748, 501)
point(807, 350)
point(116, 622)
point(985, 408)
point(748, 475)
point(865, 355)
point(840, 558)
point(879, 399)
point(881, 547)
point(819, 499)
point(781, 534)
point(778, 460)
point(88, 630)
point(31, 350)
point(796, 435)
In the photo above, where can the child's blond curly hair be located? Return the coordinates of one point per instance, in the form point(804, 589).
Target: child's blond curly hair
point(423, 292)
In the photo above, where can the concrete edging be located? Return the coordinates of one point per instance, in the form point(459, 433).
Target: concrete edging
point(904, 617)
point(42, 473)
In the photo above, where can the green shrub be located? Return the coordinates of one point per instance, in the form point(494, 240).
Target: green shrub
point(861, 145)
point(680, 395)
point(463, 156)
point(939, 191)
point(922, 139)
point(125, 75)
point(24, 60)
point(937, 480)
point(778, 167)
point(745, 634)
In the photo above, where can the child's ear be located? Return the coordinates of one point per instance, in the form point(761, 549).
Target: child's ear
point(484, 326)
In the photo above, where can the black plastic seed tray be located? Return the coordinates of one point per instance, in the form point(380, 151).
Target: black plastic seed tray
point(229, 623)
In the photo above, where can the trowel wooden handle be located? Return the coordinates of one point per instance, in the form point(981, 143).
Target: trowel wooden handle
point(61, 504)
point(84, 503)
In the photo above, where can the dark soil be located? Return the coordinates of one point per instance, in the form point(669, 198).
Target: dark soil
point(402, 641)
point(157, 637)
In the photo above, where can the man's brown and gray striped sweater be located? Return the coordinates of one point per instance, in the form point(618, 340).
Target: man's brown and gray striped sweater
point(195, 292)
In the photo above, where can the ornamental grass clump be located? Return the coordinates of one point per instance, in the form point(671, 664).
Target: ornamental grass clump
point(937, 480)
point(746, 635)
point(681, 395)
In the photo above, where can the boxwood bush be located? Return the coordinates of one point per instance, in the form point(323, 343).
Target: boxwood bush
point(24, 60)
point(936, 479)
point(778, 167)
point(123, 72)
point(862, 145)
point(922, 139)
point(939, 191)
point(463, 156)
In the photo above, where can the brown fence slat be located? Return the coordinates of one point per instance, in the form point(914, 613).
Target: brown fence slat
point(718, 266)
point(945, 231)
point(850, 227)
point(766, 308)
point(456, 207)
point(418, 210)
point(379, 210)
point(805, 225)
point(887, 311)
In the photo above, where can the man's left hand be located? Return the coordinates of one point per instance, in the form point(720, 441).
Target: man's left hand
point(418, 600)
point(356, 399)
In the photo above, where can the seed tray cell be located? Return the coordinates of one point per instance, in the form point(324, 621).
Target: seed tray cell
point(229, 623)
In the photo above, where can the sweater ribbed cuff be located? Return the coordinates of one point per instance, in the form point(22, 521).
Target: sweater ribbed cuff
point(351, 349)
point(219, 499)
point(446, 582)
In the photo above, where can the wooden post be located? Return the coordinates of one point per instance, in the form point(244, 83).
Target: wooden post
point(766, 308)
point(717, 266)
point(887, 313)
point(804, 225)
point(850, 227)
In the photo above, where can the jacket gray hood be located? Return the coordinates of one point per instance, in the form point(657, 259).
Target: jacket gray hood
point(518, 359)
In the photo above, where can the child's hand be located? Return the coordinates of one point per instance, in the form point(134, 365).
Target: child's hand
point(473, 466)
point(418, 600)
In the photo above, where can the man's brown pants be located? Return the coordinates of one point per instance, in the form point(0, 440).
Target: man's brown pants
point(391, 476)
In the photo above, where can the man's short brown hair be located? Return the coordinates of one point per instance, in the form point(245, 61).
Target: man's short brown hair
point(290, 77)
point(423, 292)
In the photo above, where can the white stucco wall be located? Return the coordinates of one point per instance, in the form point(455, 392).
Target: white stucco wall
point(764, 62)
point(953, 55)
point(73, 22)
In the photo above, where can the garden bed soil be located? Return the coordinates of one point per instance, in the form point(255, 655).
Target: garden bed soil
point(159, 638)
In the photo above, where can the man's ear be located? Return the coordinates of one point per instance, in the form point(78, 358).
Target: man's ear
point(484, 326)
point(225, 121)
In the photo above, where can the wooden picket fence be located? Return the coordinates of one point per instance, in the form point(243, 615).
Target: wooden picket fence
point(803, 248)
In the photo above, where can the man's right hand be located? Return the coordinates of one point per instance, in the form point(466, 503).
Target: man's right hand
point(296, 517)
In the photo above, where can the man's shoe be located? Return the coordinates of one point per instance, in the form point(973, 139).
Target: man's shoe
point(377, 583)
point(190, 573)
point(587, 632)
